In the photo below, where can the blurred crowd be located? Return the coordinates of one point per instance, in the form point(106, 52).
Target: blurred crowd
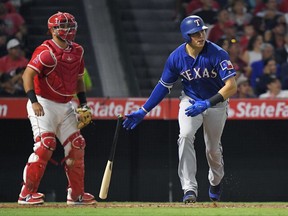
point(255, 34)
point(13, 33)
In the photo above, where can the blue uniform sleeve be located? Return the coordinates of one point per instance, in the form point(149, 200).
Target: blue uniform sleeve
point(224, 66)
point(170, 73)
point(168, 78)
point(156, 97)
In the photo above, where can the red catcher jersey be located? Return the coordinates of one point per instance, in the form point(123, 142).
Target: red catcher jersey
point(58, 70)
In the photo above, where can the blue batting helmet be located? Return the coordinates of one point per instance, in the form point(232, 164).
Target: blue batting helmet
point(191, 25)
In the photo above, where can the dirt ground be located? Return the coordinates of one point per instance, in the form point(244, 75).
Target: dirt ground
point(154, 205)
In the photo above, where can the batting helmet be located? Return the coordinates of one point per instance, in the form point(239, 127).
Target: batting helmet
point(191, 25)
point(64, 24)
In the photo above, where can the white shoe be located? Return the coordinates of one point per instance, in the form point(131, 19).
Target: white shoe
point(31, 199)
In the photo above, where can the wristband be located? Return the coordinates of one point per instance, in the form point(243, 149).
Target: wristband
point(82, 98)
point(144, 109)
point(32, 96)
point(216, 99)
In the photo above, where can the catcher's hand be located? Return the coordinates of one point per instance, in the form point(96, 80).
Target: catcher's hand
point(84, 116)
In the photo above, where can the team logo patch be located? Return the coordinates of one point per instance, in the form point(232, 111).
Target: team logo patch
point(36, 59)
point(226, 64)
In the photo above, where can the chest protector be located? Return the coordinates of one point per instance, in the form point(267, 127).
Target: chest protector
point(62, 67)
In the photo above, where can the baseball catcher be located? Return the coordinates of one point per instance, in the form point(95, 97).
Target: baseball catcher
point(51, 79)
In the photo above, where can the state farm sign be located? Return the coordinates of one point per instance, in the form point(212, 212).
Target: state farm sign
point(109, 108)
point(258, 109)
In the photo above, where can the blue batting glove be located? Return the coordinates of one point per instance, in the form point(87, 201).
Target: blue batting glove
point(133, 119)
point(197, 107)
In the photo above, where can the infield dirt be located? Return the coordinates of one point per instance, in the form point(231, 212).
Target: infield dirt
point(153, 205)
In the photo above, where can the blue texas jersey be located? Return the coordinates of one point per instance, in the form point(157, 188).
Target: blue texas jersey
point(202, 77)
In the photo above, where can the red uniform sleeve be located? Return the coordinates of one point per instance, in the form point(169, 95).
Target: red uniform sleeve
point(35, 62)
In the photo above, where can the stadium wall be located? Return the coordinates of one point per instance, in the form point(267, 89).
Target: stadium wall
point(145, 168)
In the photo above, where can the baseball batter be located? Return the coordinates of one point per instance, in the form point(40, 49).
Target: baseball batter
point(51, 78)
point(208, 81)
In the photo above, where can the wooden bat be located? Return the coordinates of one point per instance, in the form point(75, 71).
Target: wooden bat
point(108, 170)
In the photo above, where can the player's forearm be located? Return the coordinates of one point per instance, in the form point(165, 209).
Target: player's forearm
point(229, 89)
point(156, 97)
point(80, 85)
point(28, 81)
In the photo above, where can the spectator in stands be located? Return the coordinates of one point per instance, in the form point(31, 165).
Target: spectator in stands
point(270, 13)
point(207, 11)
point(239, 15)
point(258, 5)
point(278, 35)
point(267, 51)
point(253, 52)
point(222, 26)
point(234, 51)
point(12, 84)
point(14, 22)
point(15, 57)
point(244, 90)
point(11, 69)
point(196, 4)
point(224, 43)
point(248, 33)
point(230, 31)
point(281, 53)
point(9, 6)
point(270, 68)
point(258, 25)
point(274, 89)
point(283, 6)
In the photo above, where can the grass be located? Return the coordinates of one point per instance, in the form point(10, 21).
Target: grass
point(147, 209)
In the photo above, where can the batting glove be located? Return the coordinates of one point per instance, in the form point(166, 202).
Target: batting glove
point(133, 119)
point(197, 107)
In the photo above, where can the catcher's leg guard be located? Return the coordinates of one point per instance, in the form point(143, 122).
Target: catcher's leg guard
point(74, 164)
point(44, 146)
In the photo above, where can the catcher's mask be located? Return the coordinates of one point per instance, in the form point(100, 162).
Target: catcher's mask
point(64, 25)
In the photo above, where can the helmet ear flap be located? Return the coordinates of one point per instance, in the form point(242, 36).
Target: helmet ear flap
point(187, 38)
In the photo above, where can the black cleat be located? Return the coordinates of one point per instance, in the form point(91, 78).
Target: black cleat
point(215, 193)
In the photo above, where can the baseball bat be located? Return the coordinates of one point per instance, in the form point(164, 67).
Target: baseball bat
point(108, 170)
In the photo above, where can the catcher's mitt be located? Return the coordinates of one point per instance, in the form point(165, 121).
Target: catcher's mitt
point(84, 116)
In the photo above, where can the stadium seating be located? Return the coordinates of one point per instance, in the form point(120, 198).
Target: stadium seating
point(150, 35)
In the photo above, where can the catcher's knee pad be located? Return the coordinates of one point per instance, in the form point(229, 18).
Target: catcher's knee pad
point(74, 167)
point(45, 144)
point(74, 148)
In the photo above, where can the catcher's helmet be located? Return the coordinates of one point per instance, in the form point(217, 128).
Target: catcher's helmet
point(190, 25)
point(64, 24)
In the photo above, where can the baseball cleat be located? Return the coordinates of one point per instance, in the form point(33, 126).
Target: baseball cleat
point(31, 199)
point(189, 197)
point(215, 192)
point(86, 199)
